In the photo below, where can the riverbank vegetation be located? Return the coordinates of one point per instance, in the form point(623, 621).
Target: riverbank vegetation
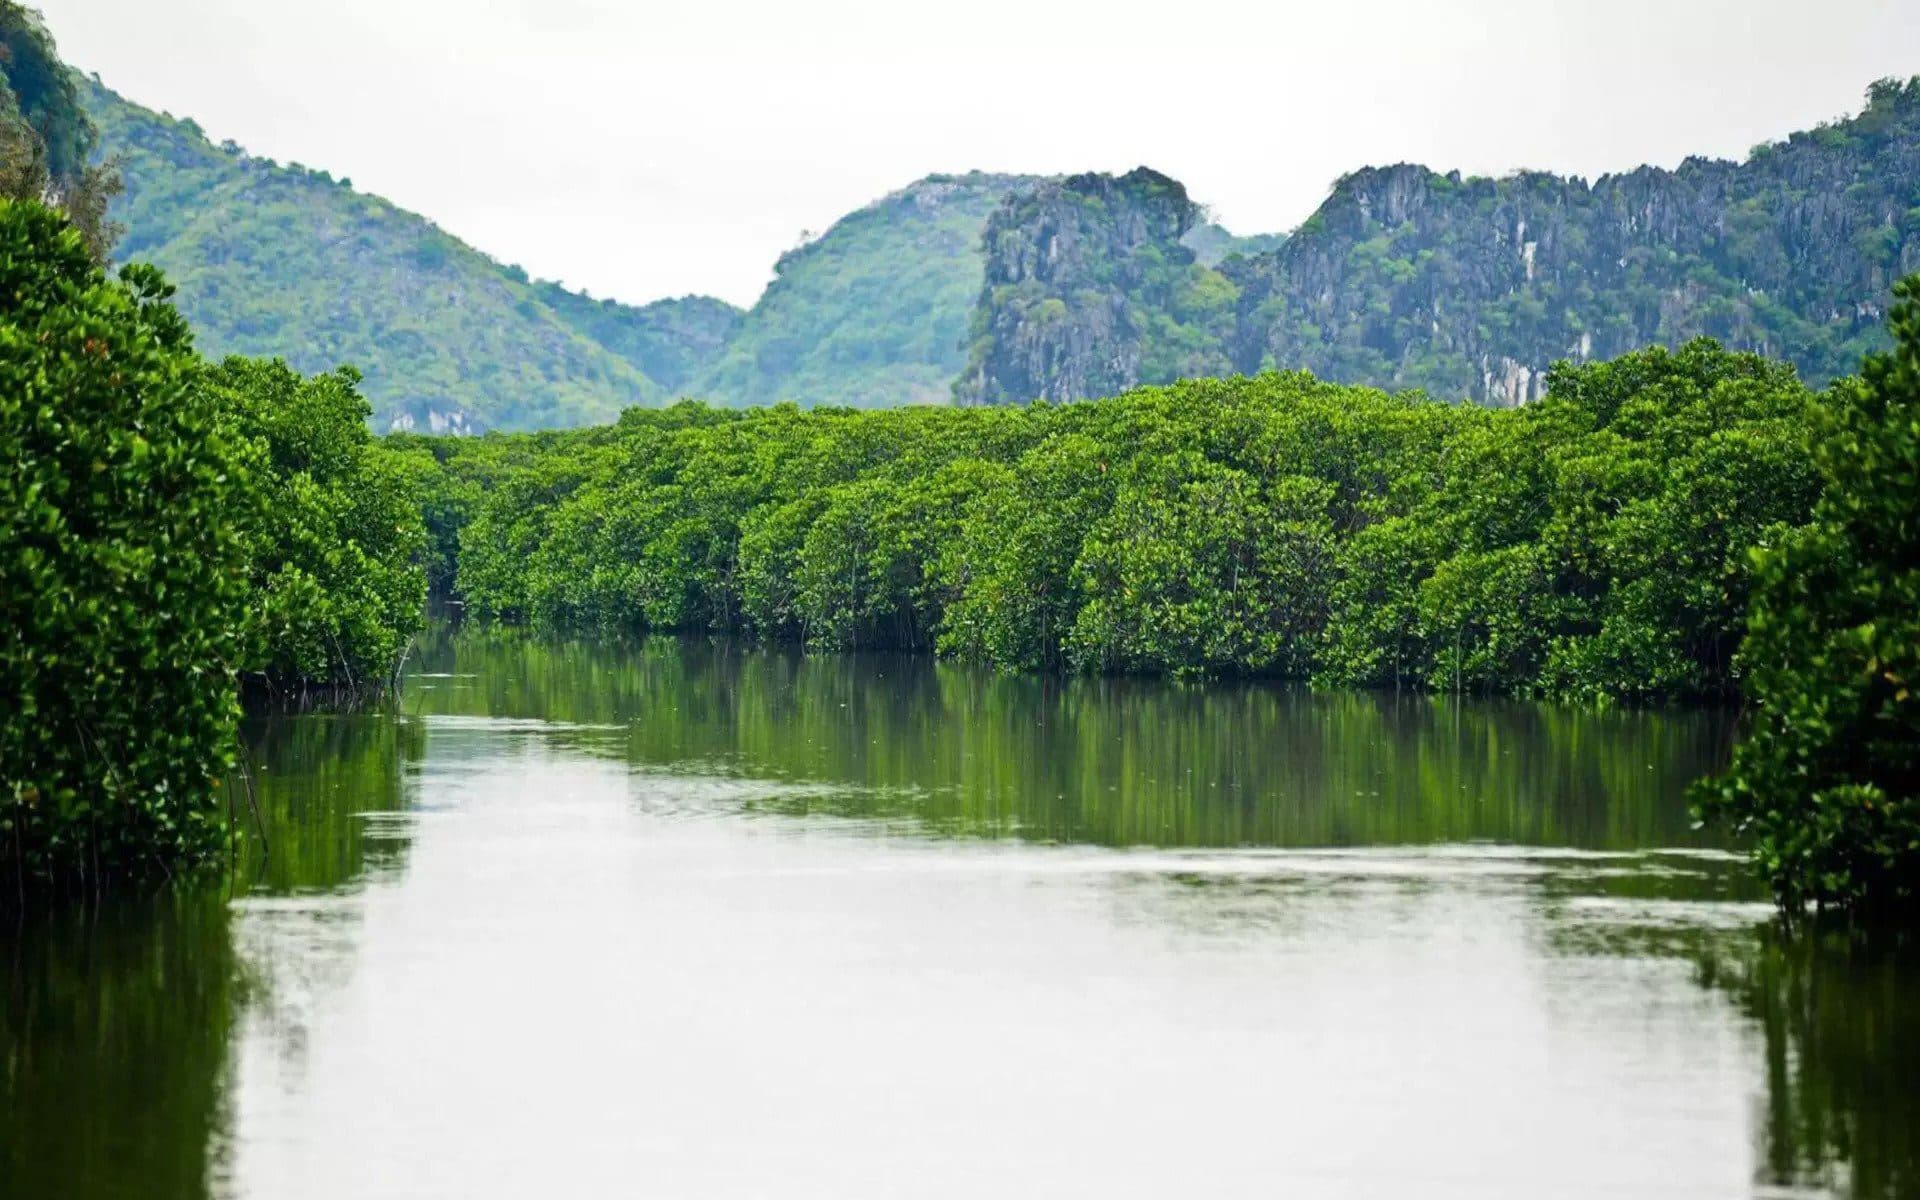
point(1595, 544)
point(168, 530)
point(121, 567)
point(1827, 782)
point(1605, 543)
point(178, 531)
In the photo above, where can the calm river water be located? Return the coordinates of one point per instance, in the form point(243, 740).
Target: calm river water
point(686, 920)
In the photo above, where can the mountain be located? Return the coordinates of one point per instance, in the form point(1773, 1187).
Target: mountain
point(875, 311)
point(1474, 286)
point(993, 289)
point(1090, 290)
point(282, 260)
point(1464, 287)
point(672, 342)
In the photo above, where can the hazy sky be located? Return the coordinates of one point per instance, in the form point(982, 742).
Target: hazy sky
point(645, 149)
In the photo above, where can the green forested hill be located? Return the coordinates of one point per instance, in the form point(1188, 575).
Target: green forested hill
point(273, 259)
point(280, 260)
point(1004, 288)
point(672, 342)
point(874, 312)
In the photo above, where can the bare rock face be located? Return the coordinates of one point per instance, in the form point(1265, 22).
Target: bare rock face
point(1475, 287)
point(1467, 288)
point(1074, 269)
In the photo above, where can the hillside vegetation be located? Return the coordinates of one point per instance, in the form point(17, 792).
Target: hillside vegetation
point(273, 258)
point(874, 312)
point(1005, 288)
point(1465, 287)
point(281, 260)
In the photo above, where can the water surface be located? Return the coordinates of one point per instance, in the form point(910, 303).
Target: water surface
point(685, 920)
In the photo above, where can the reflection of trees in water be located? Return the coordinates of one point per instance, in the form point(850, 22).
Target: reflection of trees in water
point(117, 1020)
point(1841, 1018)
point(1110, 761)
point(113, 1048)
point(1121, 761)
point(322, 784)
point(116, 1024)
point(316, 780)
point(1836, 1016)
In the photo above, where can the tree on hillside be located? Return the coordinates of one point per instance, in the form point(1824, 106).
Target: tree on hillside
point(46, 140)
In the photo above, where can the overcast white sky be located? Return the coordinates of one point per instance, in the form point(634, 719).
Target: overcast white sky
point(641, 149)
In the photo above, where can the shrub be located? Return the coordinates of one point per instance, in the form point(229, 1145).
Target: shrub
point(1828, 781)
point(335, 537)
point(122, 588)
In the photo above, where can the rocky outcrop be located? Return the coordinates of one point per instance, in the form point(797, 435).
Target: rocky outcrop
point(1077, 271)
point(1475, 287)
point(1466, 287)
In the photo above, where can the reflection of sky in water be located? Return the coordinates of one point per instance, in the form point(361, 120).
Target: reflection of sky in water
point(677, 920)
point(679, 979)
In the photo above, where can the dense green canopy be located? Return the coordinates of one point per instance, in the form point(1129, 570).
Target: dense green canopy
point(1593, 544)
point(121, 566)
point(167, 528)
point(1828, 781)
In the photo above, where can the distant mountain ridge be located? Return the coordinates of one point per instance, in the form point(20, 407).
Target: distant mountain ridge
point(1406, 278)
point(274, 259)
point(986, 288)
point(1475, 286)
point(280, 260)
point(874, 312)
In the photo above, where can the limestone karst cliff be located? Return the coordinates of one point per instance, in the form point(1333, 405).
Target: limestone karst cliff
point(988, 288)
point(1464, 287)
point(1089, 290)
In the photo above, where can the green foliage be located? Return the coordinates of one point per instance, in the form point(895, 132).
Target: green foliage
point(874, 312)
point(276, 261)
point(1828, 781)
point(336, 541)
point(46, 140)
point(166, 527)
point(122, 584)
point(1593, 545)
point(43, 91)
point(672, 341)
point(1198, 567)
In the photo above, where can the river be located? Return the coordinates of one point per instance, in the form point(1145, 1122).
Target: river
point(685, 919)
